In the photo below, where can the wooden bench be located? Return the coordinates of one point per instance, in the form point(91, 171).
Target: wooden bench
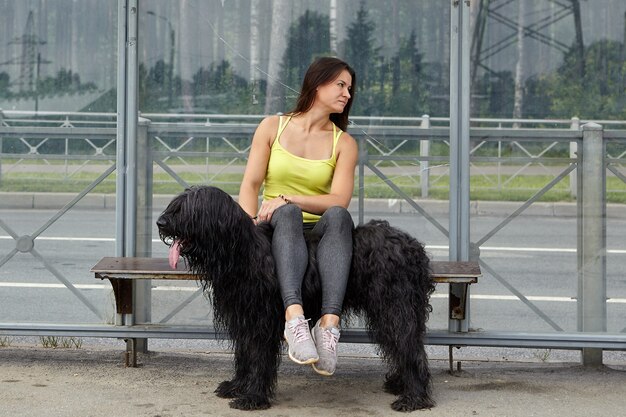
point(122, 271)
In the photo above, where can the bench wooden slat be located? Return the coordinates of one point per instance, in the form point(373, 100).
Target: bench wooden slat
point(455, 272)
point(140, 268)
point(158, 268)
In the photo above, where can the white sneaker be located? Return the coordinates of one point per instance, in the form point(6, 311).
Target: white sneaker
point(298, 336)
point(326, 345)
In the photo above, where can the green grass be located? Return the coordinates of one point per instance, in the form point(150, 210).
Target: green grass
point(54, 342)
point(483, 187)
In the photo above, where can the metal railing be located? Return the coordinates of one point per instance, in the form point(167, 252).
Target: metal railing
point(412, 149)
point(44, 138)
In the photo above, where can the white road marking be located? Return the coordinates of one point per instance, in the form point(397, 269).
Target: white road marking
point(193, 289)
point(85, 286)
point(525, 249)
point(528, 297)
point(430, 247)
point(70, 239)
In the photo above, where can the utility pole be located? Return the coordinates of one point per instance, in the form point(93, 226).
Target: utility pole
point(30, 61)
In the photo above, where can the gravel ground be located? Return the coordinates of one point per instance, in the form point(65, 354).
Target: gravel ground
point(92, 381)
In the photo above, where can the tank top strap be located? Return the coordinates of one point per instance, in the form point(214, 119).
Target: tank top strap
point(336, 134)
point(282, 124)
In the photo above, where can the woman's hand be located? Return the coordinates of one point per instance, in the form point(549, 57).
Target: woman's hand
point(268, 208)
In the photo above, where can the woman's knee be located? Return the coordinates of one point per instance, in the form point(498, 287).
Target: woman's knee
point(287, 212)
point(338, 217)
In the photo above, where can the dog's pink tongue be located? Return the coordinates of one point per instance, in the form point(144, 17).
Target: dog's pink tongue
point(174, 254)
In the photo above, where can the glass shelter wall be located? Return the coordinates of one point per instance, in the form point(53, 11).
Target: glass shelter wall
point(208, 71)
point(58, 72)
point(218, 68)
point(539, 67)
point(249, 57)
point(58, 56)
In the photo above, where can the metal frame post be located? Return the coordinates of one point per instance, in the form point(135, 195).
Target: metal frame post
point(127, 121)
point(573, 151)
point(143, 228)
point(424, 164)
point(1, 146)
point(122, 87)
point(362, 162)
point(131, 128)
point(459, 243)
point(144, 181)
point(126, 128)
point(120, 186)
point(592, 313)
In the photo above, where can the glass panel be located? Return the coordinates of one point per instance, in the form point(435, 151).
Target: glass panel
point(249, 56)
point(545, 59)
point(545, 67)
point(58, 65)
point(58, 56)
point(210, 71)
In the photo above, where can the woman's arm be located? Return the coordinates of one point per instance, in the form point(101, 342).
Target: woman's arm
point(256, 168)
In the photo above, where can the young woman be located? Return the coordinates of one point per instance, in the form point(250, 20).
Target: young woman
point(306, 162)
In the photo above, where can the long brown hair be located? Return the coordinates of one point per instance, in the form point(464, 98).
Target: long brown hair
point(322, 71)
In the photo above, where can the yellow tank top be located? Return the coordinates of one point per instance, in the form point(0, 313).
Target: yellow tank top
point(292, 175)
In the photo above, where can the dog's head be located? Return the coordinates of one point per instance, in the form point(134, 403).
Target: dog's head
point(201, 215)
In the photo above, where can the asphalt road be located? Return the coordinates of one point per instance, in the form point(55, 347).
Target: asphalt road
point(533, 255)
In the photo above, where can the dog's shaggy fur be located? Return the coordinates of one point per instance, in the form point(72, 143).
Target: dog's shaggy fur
point(389, 286)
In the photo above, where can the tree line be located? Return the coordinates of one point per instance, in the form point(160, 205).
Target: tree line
point(403, 84)
point(393, 76)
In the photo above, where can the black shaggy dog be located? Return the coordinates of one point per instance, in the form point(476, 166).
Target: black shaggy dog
point(389, 286)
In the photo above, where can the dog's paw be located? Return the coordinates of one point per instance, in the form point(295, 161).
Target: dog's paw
point(408, 403)
point(250, 403)
point(227, 389)
point(393, 385)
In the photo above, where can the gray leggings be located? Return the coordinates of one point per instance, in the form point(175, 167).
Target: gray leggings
point(334, 254)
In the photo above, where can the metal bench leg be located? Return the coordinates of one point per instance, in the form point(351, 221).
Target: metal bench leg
point(130, 356)
point(451, 360)
point(458, 308)
point(458, 320)
point(123, 291)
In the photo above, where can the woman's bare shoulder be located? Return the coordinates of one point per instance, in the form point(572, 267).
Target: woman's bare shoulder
point(267, 128)
point(346, 141)
point(270, 122)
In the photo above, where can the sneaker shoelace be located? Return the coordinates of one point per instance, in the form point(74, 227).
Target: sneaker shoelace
point(300, 330)
point(329, 341)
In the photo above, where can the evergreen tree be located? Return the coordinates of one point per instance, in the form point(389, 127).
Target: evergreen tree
point(219, 89)
point(5, 82)
point(409, 96)
point(152, 87)
point(494, 95)
point(360, 50)
point(220, 79)
point(308, 39)
point(600, 94)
